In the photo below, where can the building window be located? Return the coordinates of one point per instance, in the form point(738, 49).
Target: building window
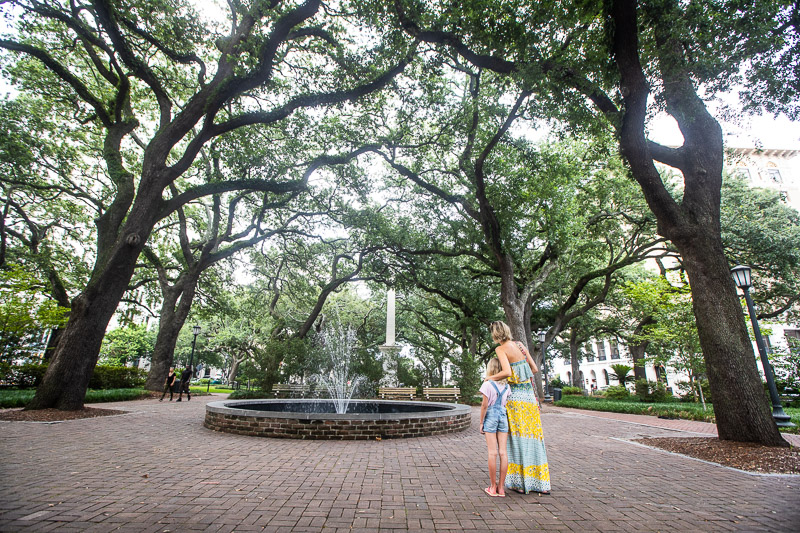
point(784, 196)
point(792, 339)
point(614, 348)
point(774, 175)
point(744, 173)
point(589, 353)
point(601, 351)
point(605, 375)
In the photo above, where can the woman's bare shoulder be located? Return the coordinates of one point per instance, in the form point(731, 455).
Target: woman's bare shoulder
point(513, 352)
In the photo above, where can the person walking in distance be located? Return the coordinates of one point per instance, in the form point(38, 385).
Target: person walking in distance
point(169, 384)
point(186, 377)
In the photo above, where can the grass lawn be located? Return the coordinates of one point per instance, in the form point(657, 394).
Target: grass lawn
point(201, 389)
point(687, 411)
point(18, 398)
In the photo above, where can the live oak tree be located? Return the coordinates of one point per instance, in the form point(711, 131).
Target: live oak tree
point(214, 229)
point(607, 65)
point(760, 230)
point(157, 86)
point(45, 215)
point(515, 209)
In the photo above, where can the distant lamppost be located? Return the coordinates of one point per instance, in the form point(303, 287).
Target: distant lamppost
point(741, 276)
point(542, 339)
point(196, 331)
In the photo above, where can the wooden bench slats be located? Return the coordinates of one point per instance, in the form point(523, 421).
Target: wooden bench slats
point(397, 392)
point(291, 388)
point(441, 393)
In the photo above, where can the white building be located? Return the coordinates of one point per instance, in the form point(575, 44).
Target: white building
point(777, 169)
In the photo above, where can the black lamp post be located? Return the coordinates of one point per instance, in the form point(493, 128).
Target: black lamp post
point(196, 331)
point(741, 276)
point(542, 339)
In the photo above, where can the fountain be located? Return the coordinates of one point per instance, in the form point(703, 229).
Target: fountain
point(337, 346)
point(340, 417)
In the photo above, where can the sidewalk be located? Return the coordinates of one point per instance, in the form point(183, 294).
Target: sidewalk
point(157, 469)
point(690, 426)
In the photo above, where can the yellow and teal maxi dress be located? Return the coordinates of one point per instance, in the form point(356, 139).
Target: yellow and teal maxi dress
point(527, 459)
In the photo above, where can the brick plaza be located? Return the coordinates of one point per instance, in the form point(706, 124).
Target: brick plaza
point(157, 469)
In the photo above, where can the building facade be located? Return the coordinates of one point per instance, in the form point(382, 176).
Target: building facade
point(776, 169)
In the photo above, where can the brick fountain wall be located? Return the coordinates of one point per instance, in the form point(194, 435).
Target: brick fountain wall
point(307, 427)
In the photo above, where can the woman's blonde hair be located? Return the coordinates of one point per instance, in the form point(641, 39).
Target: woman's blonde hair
point(494, 367)
point(500, 332)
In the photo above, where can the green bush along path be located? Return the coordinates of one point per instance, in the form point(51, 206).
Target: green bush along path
point(687, 411)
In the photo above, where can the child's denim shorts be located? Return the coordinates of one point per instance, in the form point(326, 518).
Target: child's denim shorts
point(496, 421)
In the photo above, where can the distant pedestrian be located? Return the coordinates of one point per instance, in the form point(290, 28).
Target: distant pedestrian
point(494, 426)
point(186, 378)
point(169, 384)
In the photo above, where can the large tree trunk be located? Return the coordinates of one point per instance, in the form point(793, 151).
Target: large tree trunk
point(65, 383)
point(518, 317)
point(174, 311)
point(741, 411)
point(67, 378)
point(575, 360)
point(637, 350)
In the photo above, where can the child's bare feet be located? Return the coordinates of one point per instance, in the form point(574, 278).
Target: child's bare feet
point(500, 492)
point(491, 491)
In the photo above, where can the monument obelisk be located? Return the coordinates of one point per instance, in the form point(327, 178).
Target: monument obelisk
point(390, 349)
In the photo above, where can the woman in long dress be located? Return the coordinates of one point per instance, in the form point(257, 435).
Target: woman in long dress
point(527, 459)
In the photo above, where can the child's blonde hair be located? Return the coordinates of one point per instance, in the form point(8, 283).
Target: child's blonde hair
point(494, 367)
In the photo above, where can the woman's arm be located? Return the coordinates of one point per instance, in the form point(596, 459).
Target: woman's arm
point(529, 358)
point(484, 406)
point(504, 365)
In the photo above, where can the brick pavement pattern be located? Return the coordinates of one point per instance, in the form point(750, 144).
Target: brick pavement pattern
point(157, 469)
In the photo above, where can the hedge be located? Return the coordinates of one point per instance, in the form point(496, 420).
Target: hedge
point(30, 375)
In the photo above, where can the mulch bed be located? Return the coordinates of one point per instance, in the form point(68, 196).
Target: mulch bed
point(742, 455)
point(55, 415)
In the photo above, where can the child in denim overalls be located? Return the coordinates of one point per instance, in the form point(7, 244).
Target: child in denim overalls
point(494, 425)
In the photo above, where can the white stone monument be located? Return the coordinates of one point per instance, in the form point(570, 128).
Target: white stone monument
point(390, 349)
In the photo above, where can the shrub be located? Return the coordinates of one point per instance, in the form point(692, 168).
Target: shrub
point(25, 376)
point(617, 392)
point(117, 377)
point(557, 383)
point(572, 390)
point(652, 391)
point(243, 394)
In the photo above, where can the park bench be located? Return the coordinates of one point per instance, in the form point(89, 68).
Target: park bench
point(789, 397)
point(392, 393)
point(292, 390)
point(441, 393)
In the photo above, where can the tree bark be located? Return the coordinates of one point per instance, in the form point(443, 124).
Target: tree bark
point(637, 350)
point(693, 226)
point(65, 383)
point(575, 360)
point(741, 412)
point(174, 311)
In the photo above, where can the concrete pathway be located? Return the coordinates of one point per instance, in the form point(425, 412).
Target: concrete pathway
point(157, 469)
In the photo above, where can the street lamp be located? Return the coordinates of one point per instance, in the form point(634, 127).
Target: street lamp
point(196, 331)
point(741, 276)
point(542, 339)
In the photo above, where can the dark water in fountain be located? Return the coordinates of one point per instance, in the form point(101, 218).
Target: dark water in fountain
point(329, 407)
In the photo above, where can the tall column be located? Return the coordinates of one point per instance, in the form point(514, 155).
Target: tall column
point(390, 318)
point(390, 349)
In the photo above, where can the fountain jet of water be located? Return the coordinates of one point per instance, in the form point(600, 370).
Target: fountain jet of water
point(338, 344)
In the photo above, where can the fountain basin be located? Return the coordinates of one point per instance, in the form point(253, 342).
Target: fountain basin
point(317, 419)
